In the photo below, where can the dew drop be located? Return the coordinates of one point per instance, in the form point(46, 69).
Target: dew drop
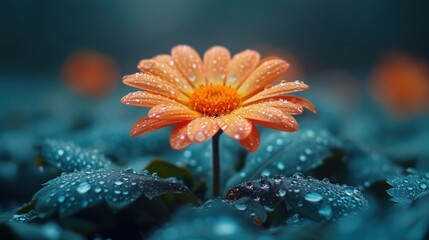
point(423, 185)
point(281, 193)
point(118, 183)
point(61, 198)
point(187, 154)
point(349, 191)
point(83, 187)
point(302, 158)
point(232, 78)
point(240, 205)
point(280, 166)
point(326, 212)
point(313, 197)
point(60, 152)
point(97, 190)
point(265, 172)
point(298, 175)
point(200, 136)
point(192, 77)
point(308, 151)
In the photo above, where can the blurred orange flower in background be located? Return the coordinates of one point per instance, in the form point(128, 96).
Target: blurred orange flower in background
point(401, 83)
point(217, 93)
point(90, 73)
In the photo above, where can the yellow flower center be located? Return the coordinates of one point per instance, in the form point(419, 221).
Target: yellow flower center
point(214, 100)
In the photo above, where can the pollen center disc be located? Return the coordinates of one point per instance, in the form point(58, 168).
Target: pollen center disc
point(215, 100)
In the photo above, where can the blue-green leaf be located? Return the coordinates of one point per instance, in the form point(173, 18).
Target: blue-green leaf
point(286, 153)
point(314, 199)
point(69, 157)
point(406, 189)
point(75, 191)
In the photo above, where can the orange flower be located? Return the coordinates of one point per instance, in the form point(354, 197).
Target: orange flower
point(217, 93)
point(401, 83)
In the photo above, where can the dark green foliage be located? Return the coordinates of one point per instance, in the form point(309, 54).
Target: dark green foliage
point(75, 191)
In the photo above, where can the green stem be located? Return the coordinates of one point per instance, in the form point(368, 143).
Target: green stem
point(216, 164)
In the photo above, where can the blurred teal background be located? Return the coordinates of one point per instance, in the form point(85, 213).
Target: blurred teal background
point(37, 36)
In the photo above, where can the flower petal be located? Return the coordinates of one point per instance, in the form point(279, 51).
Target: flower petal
point(216, 61)
point(178, 138)
point(155, 85)
point(189, 63)
point(164, 59)
point(282, 104)
point(276, 90)
point(166, 73)
point(251, 143)
point(173, 111)
point(269, 117)
point(301, 101)
point(202, 129)
point(241, 66)
point(262, 76)
point(145, 125)
point(145, 99)
point(235, 126)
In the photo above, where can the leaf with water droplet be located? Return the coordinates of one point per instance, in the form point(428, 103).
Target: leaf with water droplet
point(69, 157)
point(406, 189)
point(312, 198)
point(70, 193)
point(286, 153)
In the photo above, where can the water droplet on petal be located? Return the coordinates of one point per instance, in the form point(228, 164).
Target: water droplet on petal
point(192, 77)
point(200, 136)
point(232, 78)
